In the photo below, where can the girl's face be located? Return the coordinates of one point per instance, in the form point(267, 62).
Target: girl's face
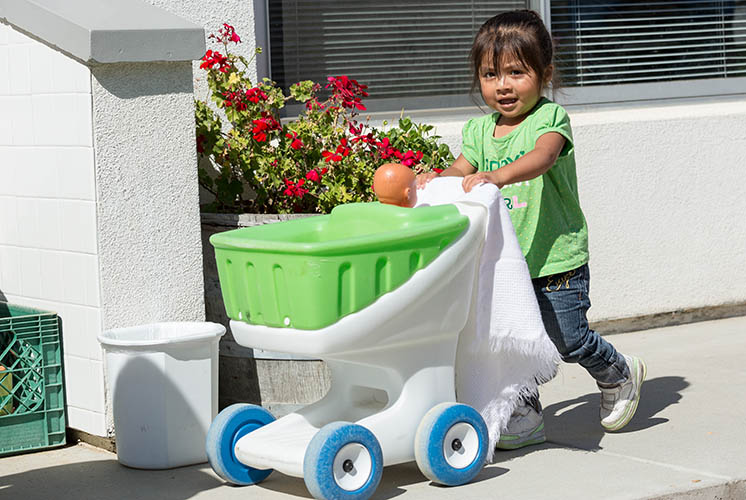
point(512, 89)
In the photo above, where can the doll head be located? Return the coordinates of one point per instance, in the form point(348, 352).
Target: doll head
point(394, 184)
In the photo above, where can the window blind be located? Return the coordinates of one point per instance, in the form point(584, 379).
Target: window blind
point(398, 49)
point(612, 42)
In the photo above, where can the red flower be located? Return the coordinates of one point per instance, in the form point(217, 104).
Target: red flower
point(226, 34)
point(341, 151)
point(231, 31)
point(211, 58)
point(205, 57)
point(348, 91)
point(409, 158)
point(258, 131)
point(264, 125)
point(384, 147)
point(365, 139)
point(295, 189)
point(229, 98)
point(289, 189)
point(313, 176)
point(255, 95)
point(357, 135)
point(297, 143)
point(207, 61)
point(329, 156)
point(438, 170)
point(238, 100)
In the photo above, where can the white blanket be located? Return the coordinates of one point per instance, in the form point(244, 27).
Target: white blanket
point(504, 350)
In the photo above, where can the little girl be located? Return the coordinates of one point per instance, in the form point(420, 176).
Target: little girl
point(526, 148)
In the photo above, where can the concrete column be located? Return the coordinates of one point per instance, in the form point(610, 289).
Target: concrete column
point(146, 182)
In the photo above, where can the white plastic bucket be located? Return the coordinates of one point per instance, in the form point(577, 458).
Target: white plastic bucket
point(163, 379)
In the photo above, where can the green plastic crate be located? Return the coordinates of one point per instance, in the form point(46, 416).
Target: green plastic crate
point(32, 405)
point(308, 273)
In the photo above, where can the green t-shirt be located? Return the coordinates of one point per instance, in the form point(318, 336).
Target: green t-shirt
point(545, 211)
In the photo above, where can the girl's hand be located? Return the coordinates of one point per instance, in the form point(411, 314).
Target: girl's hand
point(479, 178)
point(423, 179)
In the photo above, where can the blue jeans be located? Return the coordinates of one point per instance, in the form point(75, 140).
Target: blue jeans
point(564, 302)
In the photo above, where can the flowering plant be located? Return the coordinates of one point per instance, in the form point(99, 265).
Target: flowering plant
point(324, 157)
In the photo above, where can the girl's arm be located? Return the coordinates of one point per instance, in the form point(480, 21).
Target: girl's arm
point(460, 168)
point(529, 166)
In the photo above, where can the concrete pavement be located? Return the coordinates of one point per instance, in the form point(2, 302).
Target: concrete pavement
point(686, 441)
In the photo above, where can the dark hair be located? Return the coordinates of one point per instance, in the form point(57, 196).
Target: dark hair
point(518, 33)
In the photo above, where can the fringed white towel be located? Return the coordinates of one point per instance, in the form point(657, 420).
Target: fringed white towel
point(504, 350)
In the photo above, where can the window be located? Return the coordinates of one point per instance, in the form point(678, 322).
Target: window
point(409, 53)
point(653, 49)
point(414, 54)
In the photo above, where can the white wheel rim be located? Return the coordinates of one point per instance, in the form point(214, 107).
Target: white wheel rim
point(362, 466)
point(460, 454)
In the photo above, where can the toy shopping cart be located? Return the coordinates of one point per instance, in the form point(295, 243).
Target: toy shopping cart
point(381, 294)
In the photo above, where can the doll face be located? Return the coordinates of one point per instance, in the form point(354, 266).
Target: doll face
point(512, 89)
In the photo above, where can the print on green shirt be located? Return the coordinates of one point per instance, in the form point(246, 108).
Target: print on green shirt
point(545, 211)
point(495, 164)
point(511, 203)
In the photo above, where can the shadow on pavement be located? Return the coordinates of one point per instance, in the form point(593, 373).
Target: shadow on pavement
point(395, 478)
point(106, 479)
point(575, 422)
point(569, 423)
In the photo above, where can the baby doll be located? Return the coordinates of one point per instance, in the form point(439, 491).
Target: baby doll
point(394, 184)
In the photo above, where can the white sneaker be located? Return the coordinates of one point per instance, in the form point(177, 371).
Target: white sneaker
point(525, 427)
point(619, 403)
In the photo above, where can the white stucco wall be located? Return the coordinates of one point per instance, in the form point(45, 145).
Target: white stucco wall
point(211, 14)
point(48, 242)
point(663, 190)
point(146, 176)
point(662, 187)
point(99, 209)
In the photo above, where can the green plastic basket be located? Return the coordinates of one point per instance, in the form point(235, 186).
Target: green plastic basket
point(32, 405)
point(308, 273)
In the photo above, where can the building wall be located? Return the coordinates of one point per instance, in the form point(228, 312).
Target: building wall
point(99, 209)
point(660, 184)
point(48, 241)
point(663, 190)
point(148, 209)
point(211, 14)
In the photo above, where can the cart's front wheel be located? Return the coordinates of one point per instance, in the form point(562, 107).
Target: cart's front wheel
point(343, 461)
point(451, 444)
point(229, 426)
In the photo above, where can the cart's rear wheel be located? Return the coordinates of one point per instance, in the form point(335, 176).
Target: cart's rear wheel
point(343, 461)
point(451, 444)
point(229, 426)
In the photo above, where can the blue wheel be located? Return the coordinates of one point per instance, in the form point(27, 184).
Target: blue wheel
point(343, 461)
point(451, 444)
point(229, 426)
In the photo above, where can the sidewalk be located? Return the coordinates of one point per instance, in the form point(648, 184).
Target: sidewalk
point(687, 441)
